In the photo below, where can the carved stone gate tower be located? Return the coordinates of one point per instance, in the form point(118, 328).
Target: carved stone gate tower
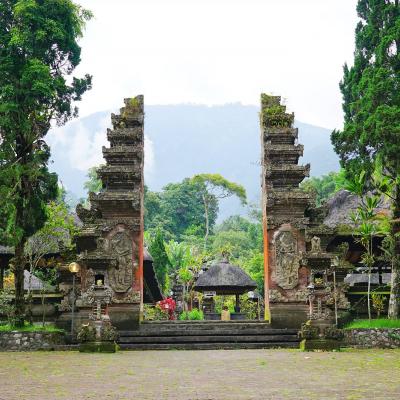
point(110, 245)
point(284, 220)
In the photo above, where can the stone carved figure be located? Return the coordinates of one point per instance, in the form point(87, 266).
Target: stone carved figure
point(287, 260)
point(90, 275)
point(315, 245)
point(121, 275)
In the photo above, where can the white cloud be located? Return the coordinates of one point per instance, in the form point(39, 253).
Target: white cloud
point(85, 148)
point(81, 147)
point(217, 51)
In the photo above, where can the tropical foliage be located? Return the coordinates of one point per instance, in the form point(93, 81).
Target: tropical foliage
point(323, 187)
point(369, 140)
point(38, 50)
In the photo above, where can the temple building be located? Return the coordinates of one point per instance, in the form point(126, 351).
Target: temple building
point(310, 252)
point(295, 238)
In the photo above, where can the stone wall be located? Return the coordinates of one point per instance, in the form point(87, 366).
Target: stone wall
point(370, 338)
point(27, 341)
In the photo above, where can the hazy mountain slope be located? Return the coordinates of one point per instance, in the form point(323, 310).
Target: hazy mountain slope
point(184, 140)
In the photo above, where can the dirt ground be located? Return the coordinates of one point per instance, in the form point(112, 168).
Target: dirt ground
point(202, 375)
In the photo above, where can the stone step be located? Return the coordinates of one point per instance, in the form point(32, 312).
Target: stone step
point(210, 331)
point(205, 322)
point(208, 346)
point(208, 339)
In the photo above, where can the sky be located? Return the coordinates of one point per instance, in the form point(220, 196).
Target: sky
point(219, 51)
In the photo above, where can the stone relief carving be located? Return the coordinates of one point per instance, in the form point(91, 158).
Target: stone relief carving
point(65, 304)
point(301, 295)
point(287, 260)
point(90, 277)
point(86, 215)
point(315, 245)
point(130, 297)
point(342, 302)
point(276, 296)
point(121, 276)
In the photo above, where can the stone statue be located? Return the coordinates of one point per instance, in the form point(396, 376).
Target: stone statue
point(121, 276)
point(315, 245)
point(287, 260)
point(90, 275)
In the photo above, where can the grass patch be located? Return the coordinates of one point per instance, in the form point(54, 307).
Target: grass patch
point(373, 323)
point(30, 328)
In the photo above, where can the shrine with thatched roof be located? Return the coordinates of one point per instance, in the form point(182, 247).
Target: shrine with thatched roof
point(224, 278)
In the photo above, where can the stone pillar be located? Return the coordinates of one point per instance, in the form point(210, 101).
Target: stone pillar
point(284, 220)
point(110, 244)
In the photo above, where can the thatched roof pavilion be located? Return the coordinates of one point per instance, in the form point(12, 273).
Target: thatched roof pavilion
point(225, 279)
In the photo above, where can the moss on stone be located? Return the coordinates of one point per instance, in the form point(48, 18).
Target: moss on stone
point(319, 344)
point(98, 347)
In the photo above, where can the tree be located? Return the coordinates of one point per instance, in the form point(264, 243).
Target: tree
point(178, 209)
point(57, 235)
point(93, 183)
point(38, 49)
point(236, 243)
point(160, 259)
point(152, 208)
point(366, 227)
point(254, 266)
point(325, 186)
point(371, 104)
point(215, 186)
point(237, 223)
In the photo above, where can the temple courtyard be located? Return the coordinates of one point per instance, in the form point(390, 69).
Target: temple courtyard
point(205, 375)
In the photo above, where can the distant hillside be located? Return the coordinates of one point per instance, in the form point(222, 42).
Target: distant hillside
point(183, 140)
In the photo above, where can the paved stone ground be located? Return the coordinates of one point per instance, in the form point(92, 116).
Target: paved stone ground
point(201, 375)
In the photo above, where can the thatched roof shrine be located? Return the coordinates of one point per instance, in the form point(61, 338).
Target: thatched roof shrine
point(225, 278)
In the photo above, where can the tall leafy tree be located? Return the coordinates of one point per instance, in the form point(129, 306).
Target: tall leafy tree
point(371, 104)
point(178, 209)
point(325, 186)
point(160, 259)
point(38, 50)
point(215, 186)
point(93, 183)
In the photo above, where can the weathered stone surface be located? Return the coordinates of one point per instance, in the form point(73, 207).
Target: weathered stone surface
point(284, 203)
point(28, 341)
point(287, 260)
point(110, 244)
point(371, 338)
point(98, 347)
point(294, 255)
point(319, 344)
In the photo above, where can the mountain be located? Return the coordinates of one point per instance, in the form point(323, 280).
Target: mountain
point(182, 140)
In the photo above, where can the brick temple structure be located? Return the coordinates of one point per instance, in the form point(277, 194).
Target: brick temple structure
point(110, 244)
point(298, 266)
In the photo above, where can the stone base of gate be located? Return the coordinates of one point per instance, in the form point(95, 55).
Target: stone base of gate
point(125, 317)
point(288, 315)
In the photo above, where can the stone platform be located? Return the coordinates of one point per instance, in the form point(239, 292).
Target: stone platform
point(206, 335)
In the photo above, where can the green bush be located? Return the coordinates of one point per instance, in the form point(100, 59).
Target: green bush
point(193, 315)
point(152, 313)
point(248, 307)
point(7, 307)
